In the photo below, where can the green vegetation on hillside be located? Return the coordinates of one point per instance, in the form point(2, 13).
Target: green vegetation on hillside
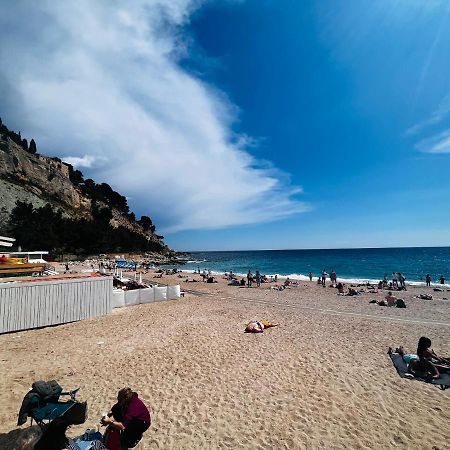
point(47, 229)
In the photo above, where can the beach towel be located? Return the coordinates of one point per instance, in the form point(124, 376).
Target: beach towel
point(402, 369)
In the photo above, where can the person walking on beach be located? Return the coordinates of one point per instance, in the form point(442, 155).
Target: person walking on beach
point(249, 278)
point(402, 279)
point(324, 277)
point(258, 278)
point(428, 279)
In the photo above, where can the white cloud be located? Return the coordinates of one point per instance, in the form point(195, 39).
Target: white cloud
point(85, 161)
point(103, 78)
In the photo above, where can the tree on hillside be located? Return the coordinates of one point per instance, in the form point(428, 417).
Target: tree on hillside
point(25, 144)
point(145, 222)
point(32, 149)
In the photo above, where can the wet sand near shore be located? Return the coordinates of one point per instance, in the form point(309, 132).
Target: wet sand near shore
point(321, 379)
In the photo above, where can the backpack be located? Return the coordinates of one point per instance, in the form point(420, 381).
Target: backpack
point(400, 303)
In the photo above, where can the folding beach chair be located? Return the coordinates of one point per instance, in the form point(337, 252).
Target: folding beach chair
point(402, 369)
point(42, 404)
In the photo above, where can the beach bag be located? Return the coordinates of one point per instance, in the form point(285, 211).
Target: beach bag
point(400, 303)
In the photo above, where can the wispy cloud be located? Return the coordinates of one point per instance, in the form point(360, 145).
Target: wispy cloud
point(103, 78)
point(435, 144)
point(441, 113)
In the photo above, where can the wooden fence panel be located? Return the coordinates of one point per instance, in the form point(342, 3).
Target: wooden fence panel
point(42, 303)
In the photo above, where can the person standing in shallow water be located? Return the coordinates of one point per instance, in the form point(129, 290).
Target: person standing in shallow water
point(442, 279)
point(310, 275)
point(428, 279)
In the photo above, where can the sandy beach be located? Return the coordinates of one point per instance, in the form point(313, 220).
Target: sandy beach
point(321, 380)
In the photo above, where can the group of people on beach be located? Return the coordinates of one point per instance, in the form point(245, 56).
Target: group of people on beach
point(323, 277)
point(125, 424)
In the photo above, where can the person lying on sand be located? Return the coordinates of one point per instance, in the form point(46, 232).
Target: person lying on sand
point(278, 288)
point(259, 326)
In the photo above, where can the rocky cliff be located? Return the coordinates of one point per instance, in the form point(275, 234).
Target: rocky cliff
point(40, 180)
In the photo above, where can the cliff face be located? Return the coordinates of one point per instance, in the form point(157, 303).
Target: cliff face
point(39, 180)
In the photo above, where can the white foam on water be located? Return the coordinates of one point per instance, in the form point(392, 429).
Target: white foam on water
point(301, 277)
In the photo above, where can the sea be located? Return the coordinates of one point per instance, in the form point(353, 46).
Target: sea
point(351, 265)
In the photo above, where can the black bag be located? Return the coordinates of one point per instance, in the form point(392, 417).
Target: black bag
point(48, 391)
point(400, 303)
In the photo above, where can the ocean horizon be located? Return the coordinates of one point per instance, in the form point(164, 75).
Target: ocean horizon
point(351, 264)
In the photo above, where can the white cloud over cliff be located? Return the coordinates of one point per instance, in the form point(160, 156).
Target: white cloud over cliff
point(99, 83)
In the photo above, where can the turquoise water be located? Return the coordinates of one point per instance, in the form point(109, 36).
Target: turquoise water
point(350, 264)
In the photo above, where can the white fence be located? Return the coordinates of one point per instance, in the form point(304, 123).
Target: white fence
point(42, 303)
point(148, 295)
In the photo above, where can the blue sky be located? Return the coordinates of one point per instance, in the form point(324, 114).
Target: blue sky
point(246, 124)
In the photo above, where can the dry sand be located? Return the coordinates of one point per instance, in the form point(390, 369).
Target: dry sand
point(321, 380)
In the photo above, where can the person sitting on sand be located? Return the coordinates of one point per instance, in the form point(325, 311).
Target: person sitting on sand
point(416, 367)
point(340, 288)
point(425, 353)
point(287, 282)
point(351, 292)
point(129, 416)
point(390, 299)
point(259, 326)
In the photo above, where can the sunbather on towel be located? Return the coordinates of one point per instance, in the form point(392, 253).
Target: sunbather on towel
point(130, 416)
point(416, 367)
point(258, 327)
point(426, 353)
